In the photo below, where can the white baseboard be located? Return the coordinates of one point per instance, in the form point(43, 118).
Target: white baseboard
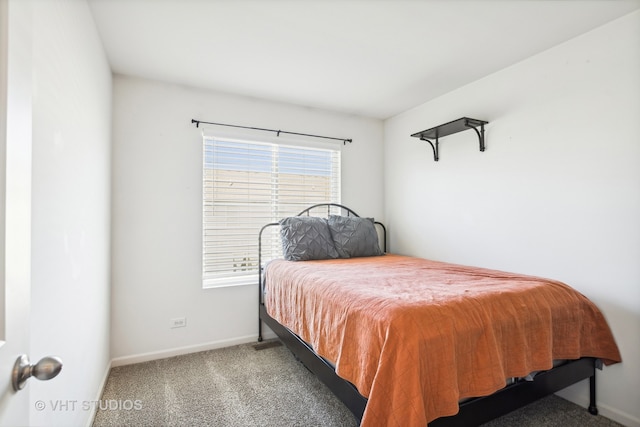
point(605, 410)
point(103, 383)
point(163, 354)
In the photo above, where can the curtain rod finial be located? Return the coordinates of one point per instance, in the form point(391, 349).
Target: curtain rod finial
point(197, 122)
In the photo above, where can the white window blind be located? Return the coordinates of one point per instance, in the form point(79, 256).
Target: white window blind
point(248, 184)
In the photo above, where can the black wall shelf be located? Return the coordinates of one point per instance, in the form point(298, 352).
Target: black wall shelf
point(450, 128)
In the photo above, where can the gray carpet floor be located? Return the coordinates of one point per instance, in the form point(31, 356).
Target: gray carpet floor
point(244, 387)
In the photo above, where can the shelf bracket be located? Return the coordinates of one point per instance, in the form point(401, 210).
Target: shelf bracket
point(434, 147)
point(480, 134)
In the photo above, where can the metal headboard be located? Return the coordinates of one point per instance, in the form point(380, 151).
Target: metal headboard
point(349, 211)
point(344, 211)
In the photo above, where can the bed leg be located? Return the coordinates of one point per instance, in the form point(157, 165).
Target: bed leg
point(259, 329)
point(593, 409)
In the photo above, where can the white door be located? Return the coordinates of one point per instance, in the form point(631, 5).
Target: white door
point(15, 204)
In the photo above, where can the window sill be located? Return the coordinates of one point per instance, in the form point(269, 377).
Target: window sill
point(229, 283)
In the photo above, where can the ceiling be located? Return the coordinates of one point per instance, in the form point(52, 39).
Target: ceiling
point(375, 58)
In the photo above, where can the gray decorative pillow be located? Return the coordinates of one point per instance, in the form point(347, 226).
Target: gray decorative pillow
point(305, 238)
point(354, 237)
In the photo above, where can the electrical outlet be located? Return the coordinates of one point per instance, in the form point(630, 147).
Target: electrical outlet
point(178, 322)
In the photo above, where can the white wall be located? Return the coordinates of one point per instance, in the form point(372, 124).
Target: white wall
point(557, 192)
point(70, 306)
point(157, 160)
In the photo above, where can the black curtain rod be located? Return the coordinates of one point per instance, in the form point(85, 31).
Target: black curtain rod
point(278, 132)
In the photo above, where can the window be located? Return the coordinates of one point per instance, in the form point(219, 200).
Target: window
point(248, 184)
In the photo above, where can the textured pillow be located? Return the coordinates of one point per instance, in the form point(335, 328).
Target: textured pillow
point(353, 236)
point(305, 238)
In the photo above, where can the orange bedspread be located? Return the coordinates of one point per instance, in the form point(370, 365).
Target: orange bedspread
point(415, 336)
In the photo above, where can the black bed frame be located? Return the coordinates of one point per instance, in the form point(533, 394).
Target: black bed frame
point(472, 412)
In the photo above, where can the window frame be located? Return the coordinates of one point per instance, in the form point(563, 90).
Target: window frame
point(275, 204)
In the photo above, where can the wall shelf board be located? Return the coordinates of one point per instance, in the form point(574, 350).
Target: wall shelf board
point(449, 128)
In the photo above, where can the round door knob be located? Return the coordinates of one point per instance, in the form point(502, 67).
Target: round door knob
point(46, 368)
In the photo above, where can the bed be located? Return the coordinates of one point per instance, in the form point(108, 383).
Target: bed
point(405, 341)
